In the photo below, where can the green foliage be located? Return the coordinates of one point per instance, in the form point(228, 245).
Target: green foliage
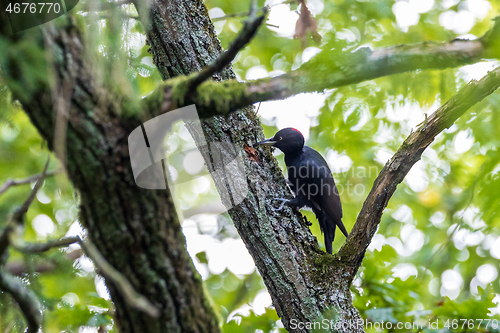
point(28, 77)
point(7, 109)
point(230, 292)
point(265, 322)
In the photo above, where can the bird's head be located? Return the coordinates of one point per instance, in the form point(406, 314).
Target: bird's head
point(288, 140)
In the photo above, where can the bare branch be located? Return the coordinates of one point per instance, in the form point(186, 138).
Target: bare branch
point(43, 247)
point(241, 14)
point(18, 215)
point(135, 299)
point(15, 182)
point(225, 58)
point(393, 173)
point(225, 17)
point(25, 298)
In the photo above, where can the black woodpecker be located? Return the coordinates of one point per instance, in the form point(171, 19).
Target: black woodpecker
point(311, 181)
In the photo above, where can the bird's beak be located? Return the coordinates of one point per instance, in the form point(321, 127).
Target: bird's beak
point(267, 142)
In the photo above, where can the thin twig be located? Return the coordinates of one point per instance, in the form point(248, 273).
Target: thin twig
point(43, 247)
point(17, 217)
point(253, 10)
point(136, 300)
point(241, 14)
point(258, 108)
point(225, 17)
point(19, 214)
point(225, 58)
point(25, 298)
point(15, 182)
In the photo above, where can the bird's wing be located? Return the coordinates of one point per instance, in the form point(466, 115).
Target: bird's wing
point(320, 174)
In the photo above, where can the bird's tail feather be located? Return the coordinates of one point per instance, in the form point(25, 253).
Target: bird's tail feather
point(329, 236)
point(327, 228)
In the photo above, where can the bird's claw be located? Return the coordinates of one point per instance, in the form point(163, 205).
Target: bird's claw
point(284, 201)
point(307, 222)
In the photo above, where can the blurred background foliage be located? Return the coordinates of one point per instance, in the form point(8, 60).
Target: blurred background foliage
point(436, 254)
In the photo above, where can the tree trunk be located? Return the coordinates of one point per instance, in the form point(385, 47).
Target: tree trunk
point(304, 282)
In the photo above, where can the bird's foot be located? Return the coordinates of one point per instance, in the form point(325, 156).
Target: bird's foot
point(307, 221)
point(284, 201)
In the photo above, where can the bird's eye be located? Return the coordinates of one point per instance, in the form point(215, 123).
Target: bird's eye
point(281, 138)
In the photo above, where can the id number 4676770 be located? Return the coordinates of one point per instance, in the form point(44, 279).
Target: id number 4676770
point(471, 324)
point(33, 8)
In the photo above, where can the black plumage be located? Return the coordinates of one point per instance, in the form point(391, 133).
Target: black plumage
point(311, 181)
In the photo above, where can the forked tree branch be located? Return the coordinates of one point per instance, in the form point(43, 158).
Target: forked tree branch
point(393, 173)
point(21, 212)
point(135, 299)
point(24, 297)
point(15, 182)
point(18, 216)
